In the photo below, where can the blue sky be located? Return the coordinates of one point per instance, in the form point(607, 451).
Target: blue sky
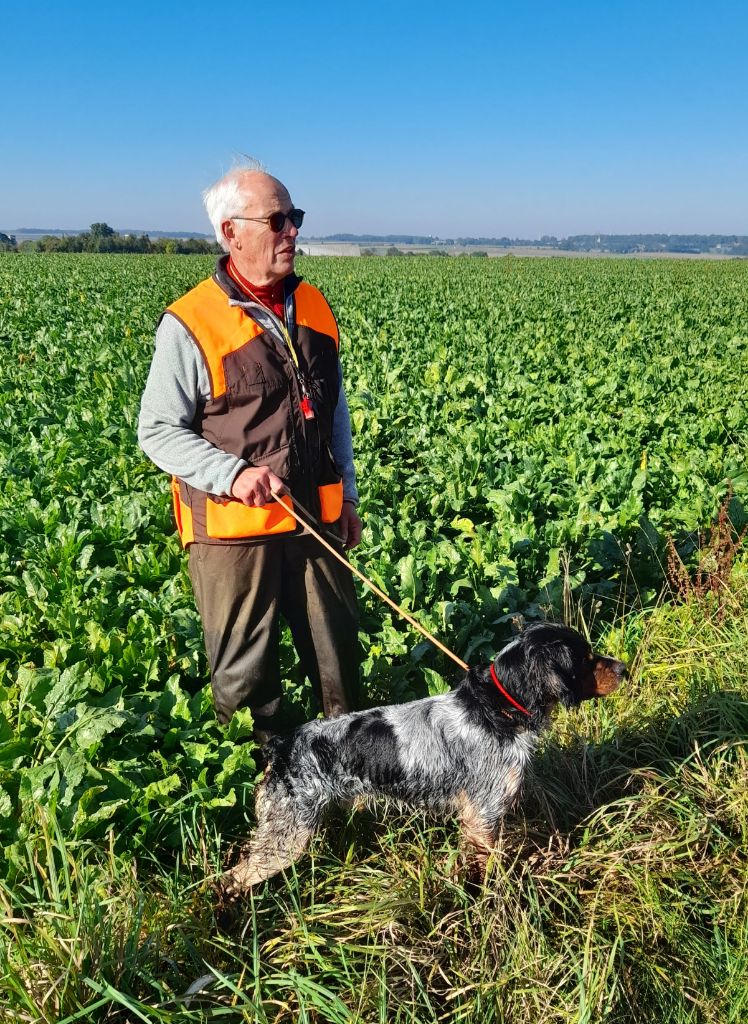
point(515, 119)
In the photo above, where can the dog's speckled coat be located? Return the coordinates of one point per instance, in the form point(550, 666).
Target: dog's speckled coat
point(463, 753)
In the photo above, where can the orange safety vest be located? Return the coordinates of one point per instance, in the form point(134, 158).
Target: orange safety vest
point(255, 410)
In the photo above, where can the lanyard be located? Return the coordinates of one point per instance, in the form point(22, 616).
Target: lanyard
point(286, 331)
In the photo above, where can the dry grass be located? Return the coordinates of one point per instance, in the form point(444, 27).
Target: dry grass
point(619, 892)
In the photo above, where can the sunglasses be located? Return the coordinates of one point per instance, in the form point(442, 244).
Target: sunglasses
point(277, 221)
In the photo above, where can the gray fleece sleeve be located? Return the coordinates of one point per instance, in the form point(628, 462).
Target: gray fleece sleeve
point(177, 382)
point(341, 443)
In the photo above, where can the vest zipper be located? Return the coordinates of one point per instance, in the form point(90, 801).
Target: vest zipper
point(282, 335)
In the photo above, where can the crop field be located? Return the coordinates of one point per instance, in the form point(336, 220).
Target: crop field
point(533, 439)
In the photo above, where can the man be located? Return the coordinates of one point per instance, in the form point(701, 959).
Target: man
point(244, 400)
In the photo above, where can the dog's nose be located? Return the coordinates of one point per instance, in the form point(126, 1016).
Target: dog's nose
point(621, 669)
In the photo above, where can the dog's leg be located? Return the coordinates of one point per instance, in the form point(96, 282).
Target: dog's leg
point(269, 852)
point(282, 834)
point(479, 834)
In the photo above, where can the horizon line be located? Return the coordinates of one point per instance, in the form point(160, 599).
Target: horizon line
point(353, 235)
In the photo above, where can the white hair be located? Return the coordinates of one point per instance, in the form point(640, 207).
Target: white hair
point(225, 199)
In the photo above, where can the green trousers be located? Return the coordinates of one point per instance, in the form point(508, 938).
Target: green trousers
point(241, 593)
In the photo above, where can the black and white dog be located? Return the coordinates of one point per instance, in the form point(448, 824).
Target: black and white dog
point(460, 754)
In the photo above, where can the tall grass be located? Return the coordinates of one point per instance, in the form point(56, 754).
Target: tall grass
point(618, 892)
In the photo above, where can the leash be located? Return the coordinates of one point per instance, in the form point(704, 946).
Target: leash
point(364, 579)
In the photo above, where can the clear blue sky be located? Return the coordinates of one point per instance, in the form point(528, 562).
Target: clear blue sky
point(448, 119)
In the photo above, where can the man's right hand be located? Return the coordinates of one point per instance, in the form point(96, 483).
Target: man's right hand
point(256, 485)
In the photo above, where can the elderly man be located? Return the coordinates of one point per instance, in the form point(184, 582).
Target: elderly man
point(244, 399)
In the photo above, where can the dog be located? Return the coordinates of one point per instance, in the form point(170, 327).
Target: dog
point(463, 753)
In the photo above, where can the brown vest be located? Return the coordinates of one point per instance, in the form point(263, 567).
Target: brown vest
point(255, 408)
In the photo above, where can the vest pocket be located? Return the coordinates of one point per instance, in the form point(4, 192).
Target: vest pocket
point(330, 501)
point(232, 520)
point(329, 487)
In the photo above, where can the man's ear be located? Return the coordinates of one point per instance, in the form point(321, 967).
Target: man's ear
point(228, 230)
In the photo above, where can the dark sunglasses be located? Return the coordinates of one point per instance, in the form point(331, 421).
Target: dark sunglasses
point(277, 221)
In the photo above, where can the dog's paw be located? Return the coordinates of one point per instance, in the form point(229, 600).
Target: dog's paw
point(228, 890)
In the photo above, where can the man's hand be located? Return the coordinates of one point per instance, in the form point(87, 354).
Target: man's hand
point(256, 485)
point(349, 525)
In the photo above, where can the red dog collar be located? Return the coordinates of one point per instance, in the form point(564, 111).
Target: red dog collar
point(505, 694)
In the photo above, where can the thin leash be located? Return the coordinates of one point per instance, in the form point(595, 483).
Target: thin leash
point(364, 579)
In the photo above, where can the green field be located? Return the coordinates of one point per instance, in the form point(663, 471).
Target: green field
point(534, 438)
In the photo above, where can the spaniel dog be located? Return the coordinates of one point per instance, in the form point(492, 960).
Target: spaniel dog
point(462, 754)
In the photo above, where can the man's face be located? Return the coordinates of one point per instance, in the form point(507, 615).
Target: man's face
point(263, 256)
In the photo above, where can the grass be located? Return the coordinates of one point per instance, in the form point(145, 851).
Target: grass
point(618, 892)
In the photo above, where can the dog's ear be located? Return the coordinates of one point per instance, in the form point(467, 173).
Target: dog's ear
point(552, 671)
point(554, 663)
point(567, 669)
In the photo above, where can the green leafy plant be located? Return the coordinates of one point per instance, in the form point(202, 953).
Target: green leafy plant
point(528, 435)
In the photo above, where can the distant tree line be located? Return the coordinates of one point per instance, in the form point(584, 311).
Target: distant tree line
point(734, 245)
point(381, 239)
point(102, 238)
point(730, 245)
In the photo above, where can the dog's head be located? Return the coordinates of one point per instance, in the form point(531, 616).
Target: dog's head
point(548, 664)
